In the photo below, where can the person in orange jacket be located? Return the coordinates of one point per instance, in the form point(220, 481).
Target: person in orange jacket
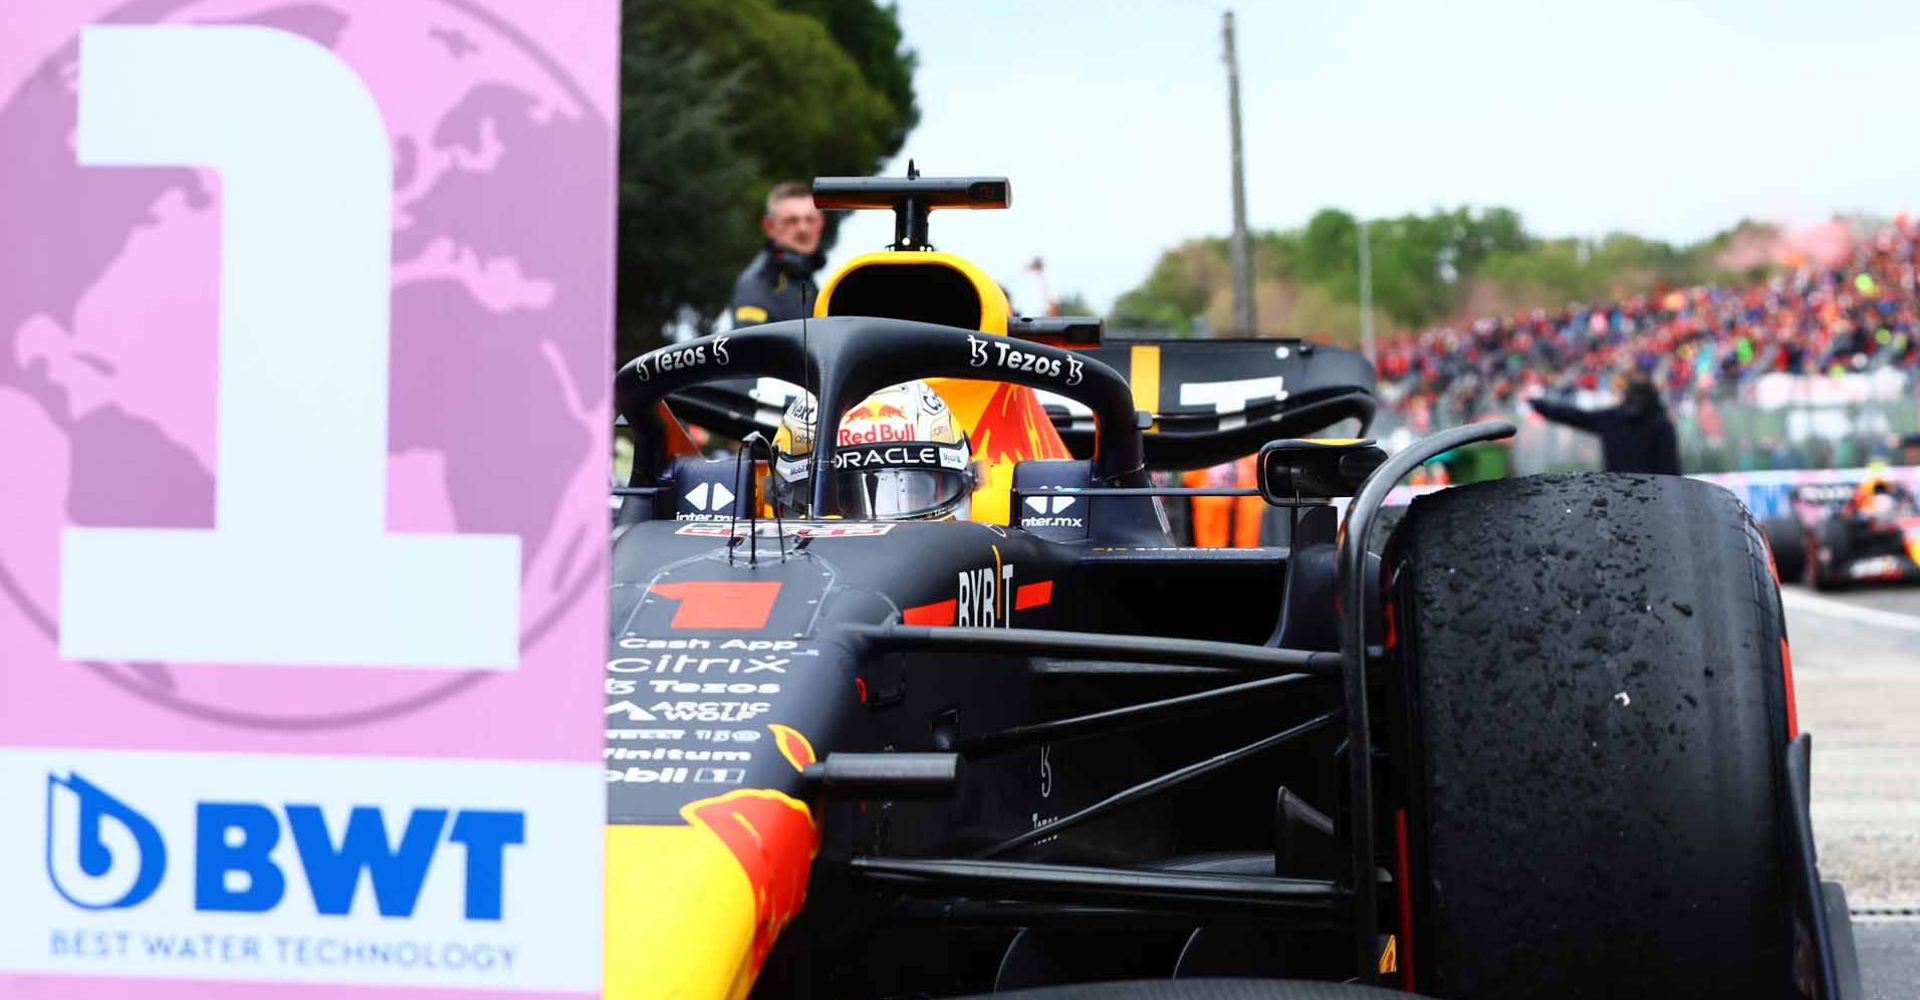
point(1223, 522)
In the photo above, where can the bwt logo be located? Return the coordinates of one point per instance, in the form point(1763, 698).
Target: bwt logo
point(115, 856)
point(103, 854)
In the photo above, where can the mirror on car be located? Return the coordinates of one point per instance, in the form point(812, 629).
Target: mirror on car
point(1302, 468)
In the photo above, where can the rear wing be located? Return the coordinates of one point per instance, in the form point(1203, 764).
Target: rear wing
point(1211, 401)
point(1823, 497)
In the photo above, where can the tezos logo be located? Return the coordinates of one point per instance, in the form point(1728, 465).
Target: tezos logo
point(1013, 359)
point(667, 359)
point(104, 854)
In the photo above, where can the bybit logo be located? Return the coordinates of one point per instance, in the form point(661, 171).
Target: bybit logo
point(101, 853)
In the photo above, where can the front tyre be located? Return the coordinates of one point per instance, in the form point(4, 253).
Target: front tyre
point(1826, 564)
point(1592, 714)
point(1787, 540)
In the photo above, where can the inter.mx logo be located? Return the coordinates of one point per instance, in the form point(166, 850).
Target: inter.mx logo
point(103, 854)
point(707, 500)
point(1049, 512)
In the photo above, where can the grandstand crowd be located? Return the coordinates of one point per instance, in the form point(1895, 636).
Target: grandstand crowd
point(1701, 343)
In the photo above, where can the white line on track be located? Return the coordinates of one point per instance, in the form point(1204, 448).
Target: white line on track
point(1830, 608)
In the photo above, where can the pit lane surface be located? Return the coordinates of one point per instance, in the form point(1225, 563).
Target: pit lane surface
point(1856, 668)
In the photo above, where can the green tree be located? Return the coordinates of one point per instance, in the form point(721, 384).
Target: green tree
point(1326, 251)
point(1073, 304)
point(1184, 281)
point(1138, 311)
point(682, 223)
point(870, 35)
point(720, 100)
point(1426, 269)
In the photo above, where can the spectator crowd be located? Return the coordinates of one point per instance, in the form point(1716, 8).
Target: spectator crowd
point(1701, 343)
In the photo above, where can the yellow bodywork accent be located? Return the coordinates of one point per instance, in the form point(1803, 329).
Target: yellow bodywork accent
point(1143, 364)
point(680, 915)
point(692, 911)
point(750, 314)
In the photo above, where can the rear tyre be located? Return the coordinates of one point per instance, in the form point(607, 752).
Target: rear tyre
point(1593, 717)
point(1787, 540)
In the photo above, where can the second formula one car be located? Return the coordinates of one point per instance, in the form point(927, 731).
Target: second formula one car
point(1842, 534)
point(1540, 744)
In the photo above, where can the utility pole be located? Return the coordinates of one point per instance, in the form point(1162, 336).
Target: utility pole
point(1241, 252)
point(1366, 294)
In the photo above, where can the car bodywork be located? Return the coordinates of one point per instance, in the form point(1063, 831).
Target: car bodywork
point(894, 758)
point(1848, 542)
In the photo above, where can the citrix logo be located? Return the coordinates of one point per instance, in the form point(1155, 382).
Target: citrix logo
point(101, 853)
point(234, 872)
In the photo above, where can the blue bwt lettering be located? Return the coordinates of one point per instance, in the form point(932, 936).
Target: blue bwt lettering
point(236, 837)
point(234, 871)
point(334, 875)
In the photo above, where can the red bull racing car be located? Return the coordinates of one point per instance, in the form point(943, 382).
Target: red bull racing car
point(1841, 534)
point(1538, 741)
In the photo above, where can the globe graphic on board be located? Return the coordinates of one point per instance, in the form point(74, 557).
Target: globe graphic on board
point(108, 354)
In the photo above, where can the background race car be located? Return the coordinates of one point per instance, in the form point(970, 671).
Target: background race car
point(1842, 533)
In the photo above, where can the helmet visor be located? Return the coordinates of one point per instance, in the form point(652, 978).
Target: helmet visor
point(898, 494)
point(899, 482)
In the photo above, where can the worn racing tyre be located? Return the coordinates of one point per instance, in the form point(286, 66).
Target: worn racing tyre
point(1591, 712)
point(1788, 542)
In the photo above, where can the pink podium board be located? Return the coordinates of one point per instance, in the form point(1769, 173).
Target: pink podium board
point(305, 313)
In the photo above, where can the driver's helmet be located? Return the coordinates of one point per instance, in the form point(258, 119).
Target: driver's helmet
point(898, 457)
point(1876, 494)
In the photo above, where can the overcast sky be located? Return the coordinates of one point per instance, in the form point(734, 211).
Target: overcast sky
point(1663, 117)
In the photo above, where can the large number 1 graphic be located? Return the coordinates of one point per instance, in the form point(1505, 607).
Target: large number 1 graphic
point(298, 568)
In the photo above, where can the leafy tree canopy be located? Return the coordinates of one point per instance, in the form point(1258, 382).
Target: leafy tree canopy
point(721, 100)
point(1428, 268)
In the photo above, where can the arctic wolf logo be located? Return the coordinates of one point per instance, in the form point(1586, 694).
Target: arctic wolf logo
point(101, 853)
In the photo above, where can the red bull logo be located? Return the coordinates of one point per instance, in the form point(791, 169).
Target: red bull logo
point(877, 432)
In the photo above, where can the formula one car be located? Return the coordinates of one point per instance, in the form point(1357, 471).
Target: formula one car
point(1840, 534)
point(1542, 745)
